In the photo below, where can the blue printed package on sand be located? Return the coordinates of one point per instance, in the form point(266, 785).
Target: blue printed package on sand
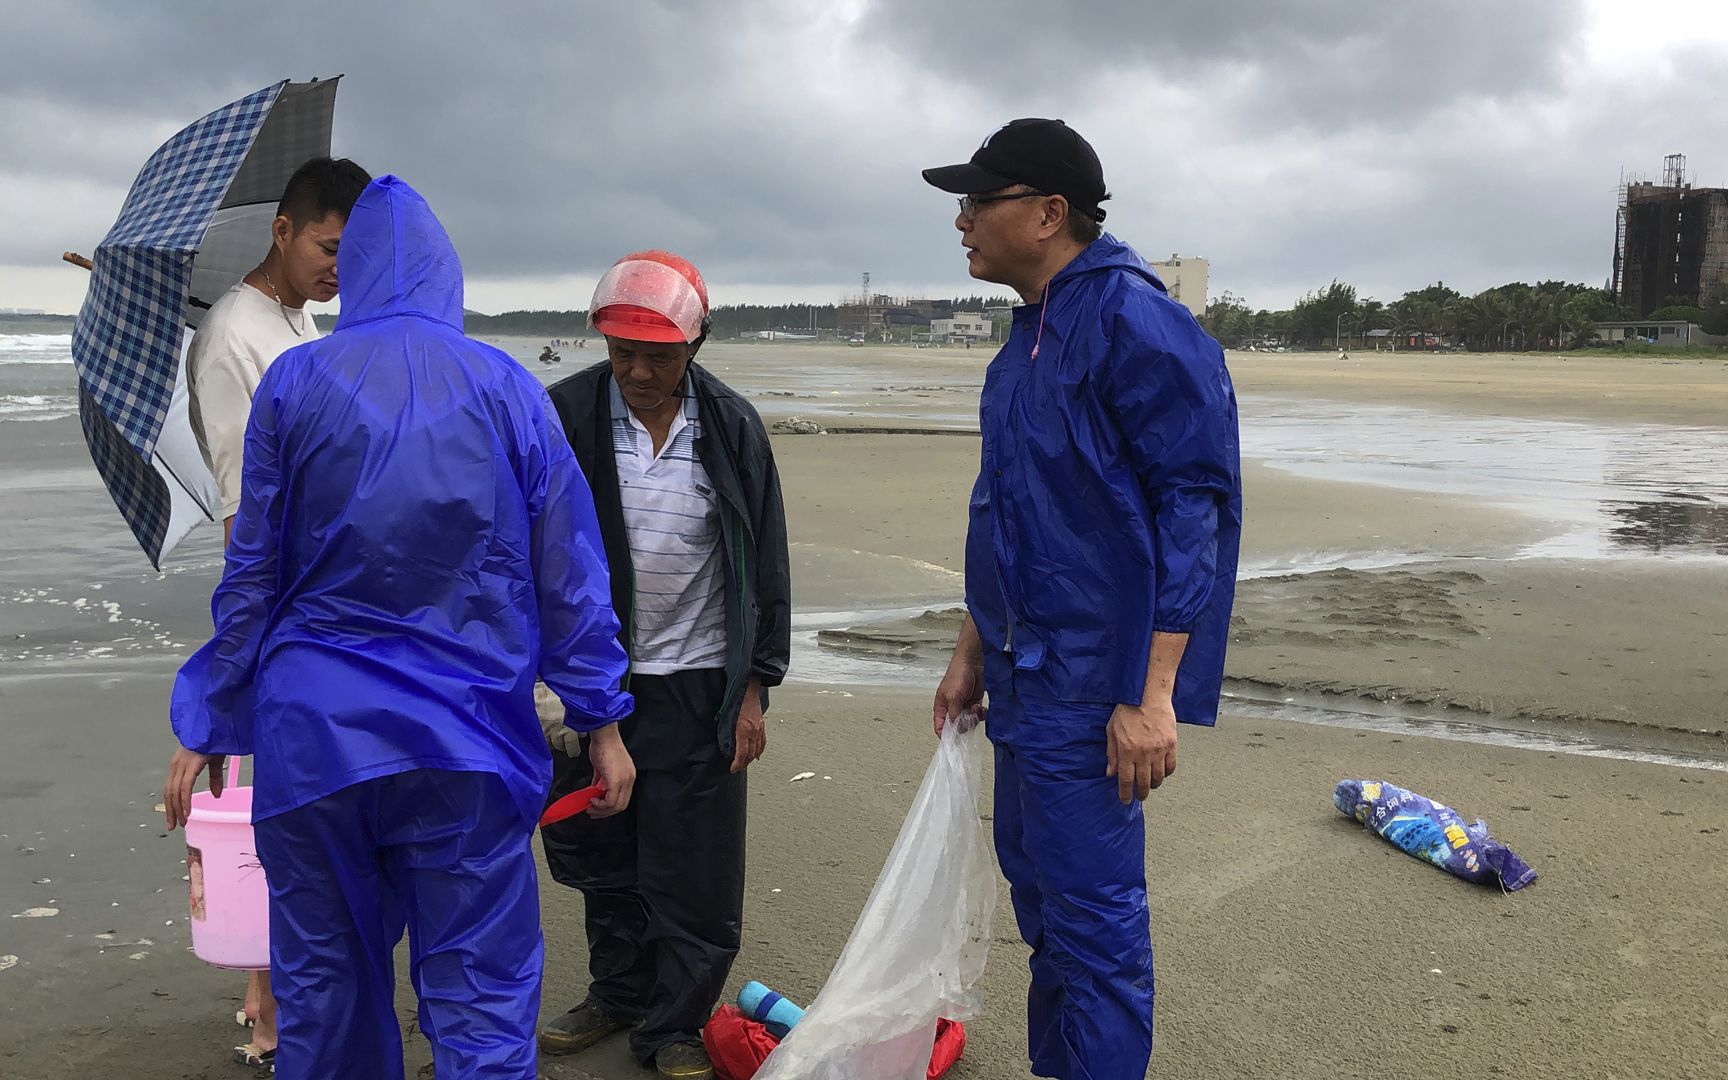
point(1424, 828)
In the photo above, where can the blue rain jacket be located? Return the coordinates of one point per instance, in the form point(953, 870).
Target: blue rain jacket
point(1109, 503)
point(414, 542)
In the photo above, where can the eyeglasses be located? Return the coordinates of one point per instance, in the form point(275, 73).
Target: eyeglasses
point(969, 204)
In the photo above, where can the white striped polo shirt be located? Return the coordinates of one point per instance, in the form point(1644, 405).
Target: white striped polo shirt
point(672, 518)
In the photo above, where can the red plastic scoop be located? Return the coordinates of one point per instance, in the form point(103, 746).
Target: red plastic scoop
point(572, 804)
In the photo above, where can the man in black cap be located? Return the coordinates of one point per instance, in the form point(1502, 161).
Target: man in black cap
point(1100, 567)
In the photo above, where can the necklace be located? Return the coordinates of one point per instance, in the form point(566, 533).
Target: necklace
point(299, 331)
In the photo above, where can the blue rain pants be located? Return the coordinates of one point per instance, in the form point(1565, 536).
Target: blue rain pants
point(1075, 860)
point(445, 855)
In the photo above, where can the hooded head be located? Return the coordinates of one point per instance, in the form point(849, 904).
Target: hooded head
point(396, 259)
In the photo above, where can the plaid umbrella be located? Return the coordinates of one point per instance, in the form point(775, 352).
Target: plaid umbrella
point(195, 222)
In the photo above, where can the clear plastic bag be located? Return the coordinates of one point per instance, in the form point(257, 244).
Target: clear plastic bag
point(919, 946)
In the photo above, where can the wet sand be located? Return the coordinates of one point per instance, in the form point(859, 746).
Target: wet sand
point(1291, 943)
point(1640, 643)
point(1644, 647)
point(1656, 389)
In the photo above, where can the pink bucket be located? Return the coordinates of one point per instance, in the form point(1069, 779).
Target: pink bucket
point(230, 901)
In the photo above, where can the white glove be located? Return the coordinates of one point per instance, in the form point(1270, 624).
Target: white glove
point(559, 735)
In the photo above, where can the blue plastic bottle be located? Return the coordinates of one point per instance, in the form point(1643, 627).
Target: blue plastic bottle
point(769, 1009)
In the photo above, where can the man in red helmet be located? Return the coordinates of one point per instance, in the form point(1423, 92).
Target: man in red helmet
point(689, 505)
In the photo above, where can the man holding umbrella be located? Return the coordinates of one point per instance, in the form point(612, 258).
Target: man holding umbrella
point(264, 315)
point(243, 333)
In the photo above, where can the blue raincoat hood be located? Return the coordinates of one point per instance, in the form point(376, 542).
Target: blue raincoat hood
point(415, 544)
point(396, 259)
point(1105, 253)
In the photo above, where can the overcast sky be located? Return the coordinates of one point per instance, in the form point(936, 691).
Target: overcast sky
point(777, 143)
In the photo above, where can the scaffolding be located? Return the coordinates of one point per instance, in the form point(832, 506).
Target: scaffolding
point(1670, 241)
point(874, 316)
point(1674, 171)
point(1619, 236)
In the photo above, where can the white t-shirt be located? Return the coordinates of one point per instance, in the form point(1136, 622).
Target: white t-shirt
point(241, 336)
point(672, 517)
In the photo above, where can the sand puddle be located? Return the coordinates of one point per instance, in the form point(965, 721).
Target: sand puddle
point(1610, 489)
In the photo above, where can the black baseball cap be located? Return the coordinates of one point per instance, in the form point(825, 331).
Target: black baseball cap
point(1044, 154)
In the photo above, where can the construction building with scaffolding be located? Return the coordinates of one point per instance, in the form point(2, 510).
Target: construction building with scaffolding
point(874, 316)
point(1670, 242)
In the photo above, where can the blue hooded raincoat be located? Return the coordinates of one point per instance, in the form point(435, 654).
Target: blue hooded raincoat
point(1108, 508)
point(1109, 504)
point(414, 543)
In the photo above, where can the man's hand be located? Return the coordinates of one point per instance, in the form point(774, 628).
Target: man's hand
point(751, 731)
point(613, 767)
point(183, 770)
point(959, 696)
point(1141, 747)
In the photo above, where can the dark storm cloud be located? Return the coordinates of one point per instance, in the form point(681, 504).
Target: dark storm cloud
point(1318, 63)
point(778, 143)
point(551, 137)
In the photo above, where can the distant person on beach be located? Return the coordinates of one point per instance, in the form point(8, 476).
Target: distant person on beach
point(1100, 568)
point(242, 334)
point(414, 543)
point(689, 503)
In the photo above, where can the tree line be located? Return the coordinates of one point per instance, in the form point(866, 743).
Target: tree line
point(729, 320)
point(1516, 316)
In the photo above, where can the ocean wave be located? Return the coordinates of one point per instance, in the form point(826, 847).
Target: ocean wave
point(35, 348)
point(37, 407)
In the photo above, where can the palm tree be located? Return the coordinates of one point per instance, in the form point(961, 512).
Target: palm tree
point(1480, 320)
point(1577, 322)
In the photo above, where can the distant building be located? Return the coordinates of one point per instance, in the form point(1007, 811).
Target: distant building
point(1186, 278)
point(1406, 339)
point(962, 327)
point(1671, 242)
point(875, 316)
point(1666, 333)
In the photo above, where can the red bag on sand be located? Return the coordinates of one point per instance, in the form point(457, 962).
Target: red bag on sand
point(950, 1044)
point(738, 1045)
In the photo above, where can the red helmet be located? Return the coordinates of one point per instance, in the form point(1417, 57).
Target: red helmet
point(651, 296)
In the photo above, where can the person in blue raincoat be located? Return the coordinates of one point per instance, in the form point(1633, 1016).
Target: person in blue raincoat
point(1100, 568)
point(415, 542)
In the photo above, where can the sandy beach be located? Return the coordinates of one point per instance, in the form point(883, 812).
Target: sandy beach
point(1499, 580)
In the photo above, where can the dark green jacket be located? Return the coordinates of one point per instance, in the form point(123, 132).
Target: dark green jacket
point(735, 451)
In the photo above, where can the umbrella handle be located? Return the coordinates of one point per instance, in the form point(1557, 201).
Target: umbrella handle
point(77, 260)
point(233, 772)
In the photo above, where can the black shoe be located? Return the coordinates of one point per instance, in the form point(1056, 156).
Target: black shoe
point(683, 1061)
point(580, 1028)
